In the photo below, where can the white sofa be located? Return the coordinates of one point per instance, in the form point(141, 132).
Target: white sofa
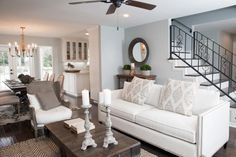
point(201, 134)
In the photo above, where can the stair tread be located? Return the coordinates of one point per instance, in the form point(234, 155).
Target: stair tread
point(185, 66)
point(195, 75)
point(214, 81)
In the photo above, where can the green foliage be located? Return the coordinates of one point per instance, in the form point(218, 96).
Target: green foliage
point(47, 60)
point(126, 67)
point(3, 58)
point(145, 67)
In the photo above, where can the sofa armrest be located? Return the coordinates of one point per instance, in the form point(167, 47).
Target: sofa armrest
point(116, 94)
point(213, 129)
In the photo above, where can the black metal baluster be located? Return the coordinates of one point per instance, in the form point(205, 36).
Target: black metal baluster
point(185, 45)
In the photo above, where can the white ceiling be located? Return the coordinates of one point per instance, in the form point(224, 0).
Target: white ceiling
point(224, 25)
point(55, 18)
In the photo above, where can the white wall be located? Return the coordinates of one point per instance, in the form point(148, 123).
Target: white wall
point(41, 41)
point(112, 42)
point(95, 64)
point(157, 37)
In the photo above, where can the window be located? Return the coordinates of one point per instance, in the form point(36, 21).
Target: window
point(4, 64)
point(46, 60)
point(23, 65)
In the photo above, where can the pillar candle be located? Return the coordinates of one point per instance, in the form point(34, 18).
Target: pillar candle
point(132, 66)
point(107, 97)
point(85, 97)
point(101, 98)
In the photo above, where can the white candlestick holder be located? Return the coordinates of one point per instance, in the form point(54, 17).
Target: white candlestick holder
point(109, 138)
point(88, 140)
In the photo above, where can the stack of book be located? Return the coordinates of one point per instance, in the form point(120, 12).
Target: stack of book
point(77, 125)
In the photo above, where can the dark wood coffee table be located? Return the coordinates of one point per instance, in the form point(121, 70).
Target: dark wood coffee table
point(70, 143)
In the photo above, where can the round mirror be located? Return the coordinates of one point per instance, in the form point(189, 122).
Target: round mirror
point(138, 51)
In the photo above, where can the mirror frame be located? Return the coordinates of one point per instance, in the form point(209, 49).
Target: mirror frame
point(131, 46)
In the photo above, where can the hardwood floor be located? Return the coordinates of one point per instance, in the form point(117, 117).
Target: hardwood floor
point(13, 133)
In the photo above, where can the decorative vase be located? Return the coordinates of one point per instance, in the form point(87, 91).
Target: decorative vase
point(126, 72)
point(146, 72)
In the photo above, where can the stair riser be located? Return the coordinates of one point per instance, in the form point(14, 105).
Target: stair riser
point(181, 63)
point(223, 85)
point(200, 79)
point(201, 70)
point(183, 55)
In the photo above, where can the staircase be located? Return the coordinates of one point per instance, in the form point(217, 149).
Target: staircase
point(204, 60)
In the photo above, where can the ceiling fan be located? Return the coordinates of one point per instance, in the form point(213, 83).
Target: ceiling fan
point(117, 3)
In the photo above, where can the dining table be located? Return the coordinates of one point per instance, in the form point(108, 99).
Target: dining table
point(19, 89)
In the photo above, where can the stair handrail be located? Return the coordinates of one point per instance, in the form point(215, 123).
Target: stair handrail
point(213, 52)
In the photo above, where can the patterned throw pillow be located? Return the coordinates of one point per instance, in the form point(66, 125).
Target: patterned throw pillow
point(177, 96)
point(137, 91)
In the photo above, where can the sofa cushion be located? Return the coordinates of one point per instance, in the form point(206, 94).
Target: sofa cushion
point(137, 91)
point(126, 110)
point(204, 100)
point(177, 96)
point(173, 124)
point(53, 115)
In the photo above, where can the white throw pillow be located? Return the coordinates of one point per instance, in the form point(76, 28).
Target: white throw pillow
point(178, 96)
point(34, 101)
point(137, 91)
point(204, 100)
point(154, 95)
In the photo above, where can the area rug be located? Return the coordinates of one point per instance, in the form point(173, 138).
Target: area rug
point(7, 115)
point(42, 147)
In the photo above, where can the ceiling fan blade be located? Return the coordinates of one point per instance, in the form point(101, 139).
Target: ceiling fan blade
point(140, 4)
point(82, 2)
point(111, 9)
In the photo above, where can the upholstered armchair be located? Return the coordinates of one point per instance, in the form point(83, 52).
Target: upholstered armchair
point(46, 92)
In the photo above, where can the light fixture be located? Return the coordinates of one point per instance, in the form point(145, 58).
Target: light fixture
point(87, 33)
point(126, 15)
point(21, 50)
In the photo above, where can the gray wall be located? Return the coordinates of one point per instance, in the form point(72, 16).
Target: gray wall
point(112, 42)
point(157, 37)
point(41, 41)
point(211, 16)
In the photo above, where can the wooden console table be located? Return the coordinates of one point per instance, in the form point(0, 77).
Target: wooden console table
point(129, 78)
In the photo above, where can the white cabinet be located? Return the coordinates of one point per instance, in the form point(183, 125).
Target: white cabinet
point(75, 82)
point(74, 50)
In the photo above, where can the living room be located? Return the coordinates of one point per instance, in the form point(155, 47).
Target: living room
point(90, 49)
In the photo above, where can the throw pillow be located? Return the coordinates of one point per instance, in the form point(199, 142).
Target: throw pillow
point(137, 91)
point(48, 100)
point(34, 101)
point(178, 96)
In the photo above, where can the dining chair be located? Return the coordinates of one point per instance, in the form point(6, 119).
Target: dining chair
point(45, 77)
point(60, 79)
point(51, 78)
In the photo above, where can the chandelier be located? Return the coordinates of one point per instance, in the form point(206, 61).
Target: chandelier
point(21, 50)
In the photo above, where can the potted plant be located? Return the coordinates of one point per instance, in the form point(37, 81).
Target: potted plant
point(126, 69)
point(146, 69)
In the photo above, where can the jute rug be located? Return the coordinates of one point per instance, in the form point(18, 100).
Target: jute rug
point(42, 147)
